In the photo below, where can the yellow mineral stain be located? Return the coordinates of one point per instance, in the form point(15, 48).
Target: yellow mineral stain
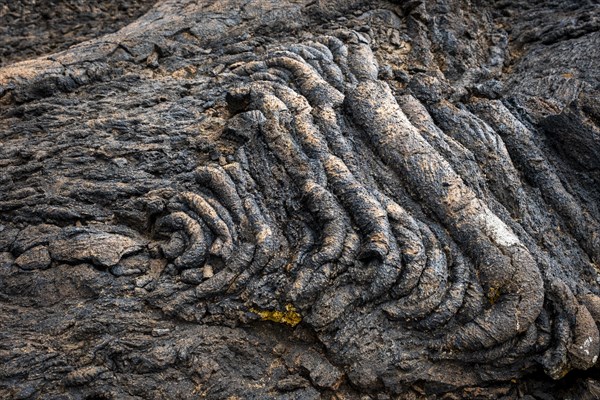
point(289, 317)
point(493, 295)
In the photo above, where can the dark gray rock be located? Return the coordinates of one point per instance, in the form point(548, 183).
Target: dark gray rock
point(100, 248)
point(300, 200)
point(35, 258)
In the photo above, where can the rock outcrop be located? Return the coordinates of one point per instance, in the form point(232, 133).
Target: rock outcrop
point(305, 199)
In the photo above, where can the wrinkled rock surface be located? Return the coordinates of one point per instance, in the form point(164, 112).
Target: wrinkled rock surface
point(300, 200)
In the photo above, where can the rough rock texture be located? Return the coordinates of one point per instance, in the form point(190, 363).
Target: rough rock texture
point(303, 200)
point(31, 28)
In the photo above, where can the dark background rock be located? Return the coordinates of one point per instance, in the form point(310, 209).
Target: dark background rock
point(32, 28)
point(299, 199)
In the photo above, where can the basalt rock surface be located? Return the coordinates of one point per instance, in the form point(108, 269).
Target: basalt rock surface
point(304, 199)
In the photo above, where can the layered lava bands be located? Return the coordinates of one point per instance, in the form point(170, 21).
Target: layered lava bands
point(293, 199)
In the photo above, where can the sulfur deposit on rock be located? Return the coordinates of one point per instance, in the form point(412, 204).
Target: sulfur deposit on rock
point(303, 200)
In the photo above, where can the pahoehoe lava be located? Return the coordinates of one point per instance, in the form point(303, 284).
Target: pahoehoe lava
point(306, 199)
